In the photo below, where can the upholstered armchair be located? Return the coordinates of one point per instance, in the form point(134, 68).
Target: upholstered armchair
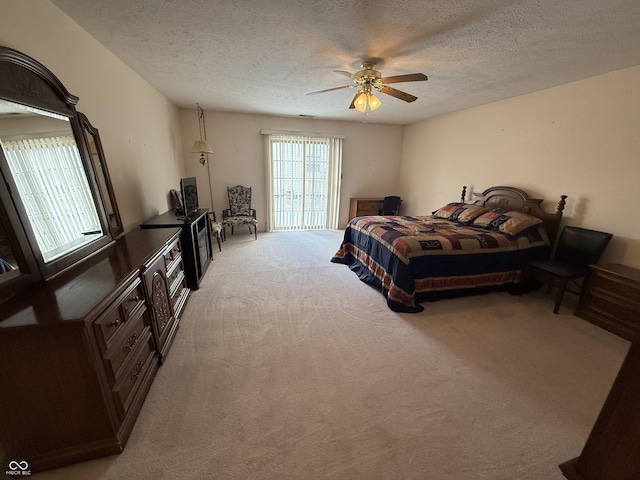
point(239, 212)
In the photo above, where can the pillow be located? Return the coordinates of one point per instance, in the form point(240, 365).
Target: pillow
point(518, 222)
point(448, 210)
point(468, 213)
point(459, 212)
point(511, 223)
point(486, 219)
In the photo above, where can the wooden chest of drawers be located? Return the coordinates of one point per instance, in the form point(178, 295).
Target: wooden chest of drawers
point(79, 352)
point(611, 299)
point(166, 287)
point(360, 207)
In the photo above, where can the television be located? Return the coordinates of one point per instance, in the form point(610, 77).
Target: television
point(189, 193)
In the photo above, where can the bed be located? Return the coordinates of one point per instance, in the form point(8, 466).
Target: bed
point(462, 248)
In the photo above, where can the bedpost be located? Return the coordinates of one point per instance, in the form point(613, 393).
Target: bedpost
point(464, 193)
point(561, 205)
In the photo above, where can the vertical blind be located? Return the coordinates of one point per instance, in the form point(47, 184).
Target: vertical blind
point(59, 204)
point(304, 174)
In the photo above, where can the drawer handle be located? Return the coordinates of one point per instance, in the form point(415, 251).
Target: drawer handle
point(139, 368)
point(133, 339)
point(134, 299)
point(115, 323)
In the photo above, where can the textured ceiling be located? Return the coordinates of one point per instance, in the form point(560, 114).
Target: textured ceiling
point(264, 56)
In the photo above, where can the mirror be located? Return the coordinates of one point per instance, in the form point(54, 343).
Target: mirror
point(43, 160)
point(57, 205)
point(9, 267)
point(102, 175)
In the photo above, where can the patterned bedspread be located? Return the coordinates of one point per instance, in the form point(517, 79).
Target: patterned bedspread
point(412, 259)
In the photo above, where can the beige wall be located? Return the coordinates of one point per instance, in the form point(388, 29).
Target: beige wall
point(581, 139)
point(371, 156)
point(138, 126)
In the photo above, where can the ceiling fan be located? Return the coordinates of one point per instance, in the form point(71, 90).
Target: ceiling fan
point(367, 80)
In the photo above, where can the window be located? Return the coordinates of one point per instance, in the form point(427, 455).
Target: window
point(304, 174)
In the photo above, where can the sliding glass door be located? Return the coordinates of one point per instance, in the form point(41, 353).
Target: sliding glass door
point(304, 181)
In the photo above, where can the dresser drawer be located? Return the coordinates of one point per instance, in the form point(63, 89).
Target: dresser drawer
point(611, 308)
point(132, 301)
point(119, 352)
point(172, 254)
point(112, 321)
point(177, 287)
point(174, 275)
point(627, 292)
point(368, 207)
point(133, 374)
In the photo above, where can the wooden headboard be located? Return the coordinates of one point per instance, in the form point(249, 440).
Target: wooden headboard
point(512, 198)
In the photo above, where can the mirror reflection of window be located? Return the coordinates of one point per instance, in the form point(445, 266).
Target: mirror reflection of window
point(46, 167)
point(99, 169)
point(8, 262)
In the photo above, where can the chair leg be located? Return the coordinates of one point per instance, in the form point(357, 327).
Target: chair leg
point(561, 288)
point(255, 231)
point(218, 239)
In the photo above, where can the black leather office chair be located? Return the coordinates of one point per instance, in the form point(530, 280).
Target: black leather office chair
point(577, 249)
point(390, 205)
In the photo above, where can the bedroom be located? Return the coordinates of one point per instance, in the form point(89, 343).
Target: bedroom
point(588, 129)
point(590, 150)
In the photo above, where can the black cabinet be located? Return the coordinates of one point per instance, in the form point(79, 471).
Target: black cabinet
point(195, 241)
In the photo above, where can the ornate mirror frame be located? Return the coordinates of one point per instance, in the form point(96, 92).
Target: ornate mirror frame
point(27, 83)
point(99, 163)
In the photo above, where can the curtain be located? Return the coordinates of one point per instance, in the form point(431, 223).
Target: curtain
point(304, 174)
point(59, 204)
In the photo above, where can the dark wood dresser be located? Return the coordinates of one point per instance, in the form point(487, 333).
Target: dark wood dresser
point(195, 241)
point(78, 353)
point(612, 450)
point(611, 299)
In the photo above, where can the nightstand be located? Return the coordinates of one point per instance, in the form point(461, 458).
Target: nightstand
point(611, 299)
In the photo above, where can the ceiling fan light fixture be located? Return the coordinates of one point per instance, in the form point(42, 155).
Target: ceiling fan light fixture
point(374, 102)
point(361, 102)
point(366, 102)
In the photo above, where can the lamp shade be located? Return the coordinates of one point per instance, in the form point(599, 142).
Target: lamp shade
point(366, 101)
point(374, 102)
point(361, 102)
point(201, 146)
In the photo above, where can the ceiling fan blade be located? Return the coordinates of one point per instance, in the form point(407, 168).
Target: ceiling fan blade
point(353, 102)
point(348, 74)
point(410, 77)
point(397, 93)
point(331, 89)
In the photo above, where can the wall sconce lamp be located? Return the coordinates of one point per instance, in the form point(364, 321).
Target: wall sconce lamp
point(203, 148)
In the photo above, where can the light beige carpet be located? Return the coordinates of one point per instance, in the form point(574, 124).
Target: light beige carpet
point(286, 366)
